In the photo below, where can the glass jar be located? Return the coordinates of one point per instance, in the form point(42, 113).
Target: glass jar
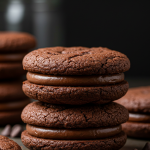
point(42, 18)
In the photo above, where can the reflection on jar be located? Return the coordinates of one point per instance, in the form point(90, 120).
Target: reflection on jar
point(42, 18)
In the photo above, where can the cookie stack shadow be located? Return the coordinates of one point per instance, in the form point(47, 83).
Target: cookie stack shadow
point(13, 47)
point(75, 88)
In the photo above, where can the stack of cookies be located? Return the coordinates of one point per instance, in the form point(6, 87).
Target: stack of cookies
point(137, 101)
point(75, 88)
point(13, 47)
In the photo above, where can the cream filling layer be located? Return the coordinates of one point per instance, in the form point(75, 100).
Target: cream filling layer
point(134, 117)
point(14, 105)
point(12, 57)
point(73, 134)
point(94, 80)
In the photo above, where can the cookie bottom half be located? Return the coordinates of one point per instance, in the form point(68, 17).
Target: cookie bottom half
point(112, 143)
point(75, 95)
point(137, 130)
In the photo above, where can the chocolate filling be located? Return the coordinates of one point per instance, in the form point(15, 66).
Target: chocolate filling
point(72, 134)
point(14, 105)
point(94, 80)
point(134, 117)
point(12, 57)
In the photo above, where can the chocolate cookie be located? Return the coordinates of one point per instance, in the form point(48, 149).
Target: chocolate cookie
point(12, 101)
point(137, 101)
point(74, 127)
point(66, 116)
point(75, 75)
point(76, 61)
point(11, 91)
point(13, 47)
point(75, 95)
point(16, 42)
point(115, 143)
point(70, 77)
point(10, 112)
point(7, 144)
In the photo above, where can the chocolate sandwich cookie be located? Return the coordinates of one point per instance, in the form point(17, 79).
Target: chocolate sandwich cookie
point(137, 101)
point(13, 47)
point(12, 101)
point(10, 112)
point(74, 127)
point(7, 144)
point(75, 75)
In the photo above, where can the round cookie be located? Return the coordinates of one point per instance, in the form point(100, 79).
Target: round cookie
point(75, 75)
point(44, 118)
point(76, 61)
point(137, 101)
point(115, 143)
point(13, 47)
point(75, 95)
point(16, 42)
point(7, 144)
point(66, 116)
point(11, 70)
point(11, 91)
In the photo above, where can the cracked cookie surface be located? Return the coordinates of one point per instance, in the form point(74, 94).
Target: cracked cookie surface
point(7, 144)
point(67, 116)
point(76, 61)
point(75, 95)
point(115, 143)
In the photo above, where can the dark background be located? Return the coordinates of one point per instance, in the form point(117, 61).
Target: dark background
point(120, 25)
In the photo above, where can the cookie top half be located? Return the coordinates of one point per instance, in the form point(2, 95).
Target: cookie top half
point(16, 42)
point(137, 100)
point(76, 61)
point(66, 116)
